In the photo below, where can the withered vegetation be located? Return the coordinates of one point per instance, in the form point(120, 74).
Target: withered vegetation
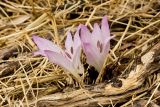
point(130, 78)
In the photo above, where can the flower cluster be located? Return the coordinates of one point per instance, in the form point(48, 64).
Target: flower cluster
point(95, 44)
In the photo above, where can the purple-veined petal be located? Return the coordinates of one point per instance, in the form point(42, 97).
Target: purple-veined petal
point(97, 34)
point(62, 61)
point(44, 44)
point(105, 28)
point(97, 38)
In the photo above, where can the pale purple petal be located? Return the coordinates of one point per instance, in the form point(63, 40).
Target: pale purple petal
point(69, 42)
point(44, 44)
point(93, 57)
point(97, 34)
point(77, 41)
point(96, 45)
point(39, 52)
point(62, 61)
point(59, 59)
point(105, 28)
point(89, 48)
point(107, 46)
point(85, 35)
point(76, 60)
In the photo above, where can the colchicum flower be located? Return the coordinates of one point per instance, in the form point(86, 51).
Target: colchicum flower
point(69, 58)
point(96, 45)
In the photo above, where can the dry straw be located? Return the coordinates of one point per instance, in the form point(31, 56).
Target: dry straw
point(26, 80)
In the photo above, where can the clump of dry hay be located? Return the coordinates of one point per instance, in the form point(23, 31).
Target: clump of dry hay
point(132, 70)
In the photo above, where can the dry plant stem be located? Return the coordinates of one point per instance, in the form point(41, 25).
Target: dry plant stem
point(122, 37)
point(35, 80)
point(54, 25)
point(20, 33)
point(152, 95)
point(28, 82)
point(99, 78)
point(67, 10)
point(13, 7)
point(116, 20)
point(8, 17)
point(124, 7)
point(42, 18)
point(151, 24)
point(149, 40)
point(134, 99)
point(26, 99)
point(90, 17)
